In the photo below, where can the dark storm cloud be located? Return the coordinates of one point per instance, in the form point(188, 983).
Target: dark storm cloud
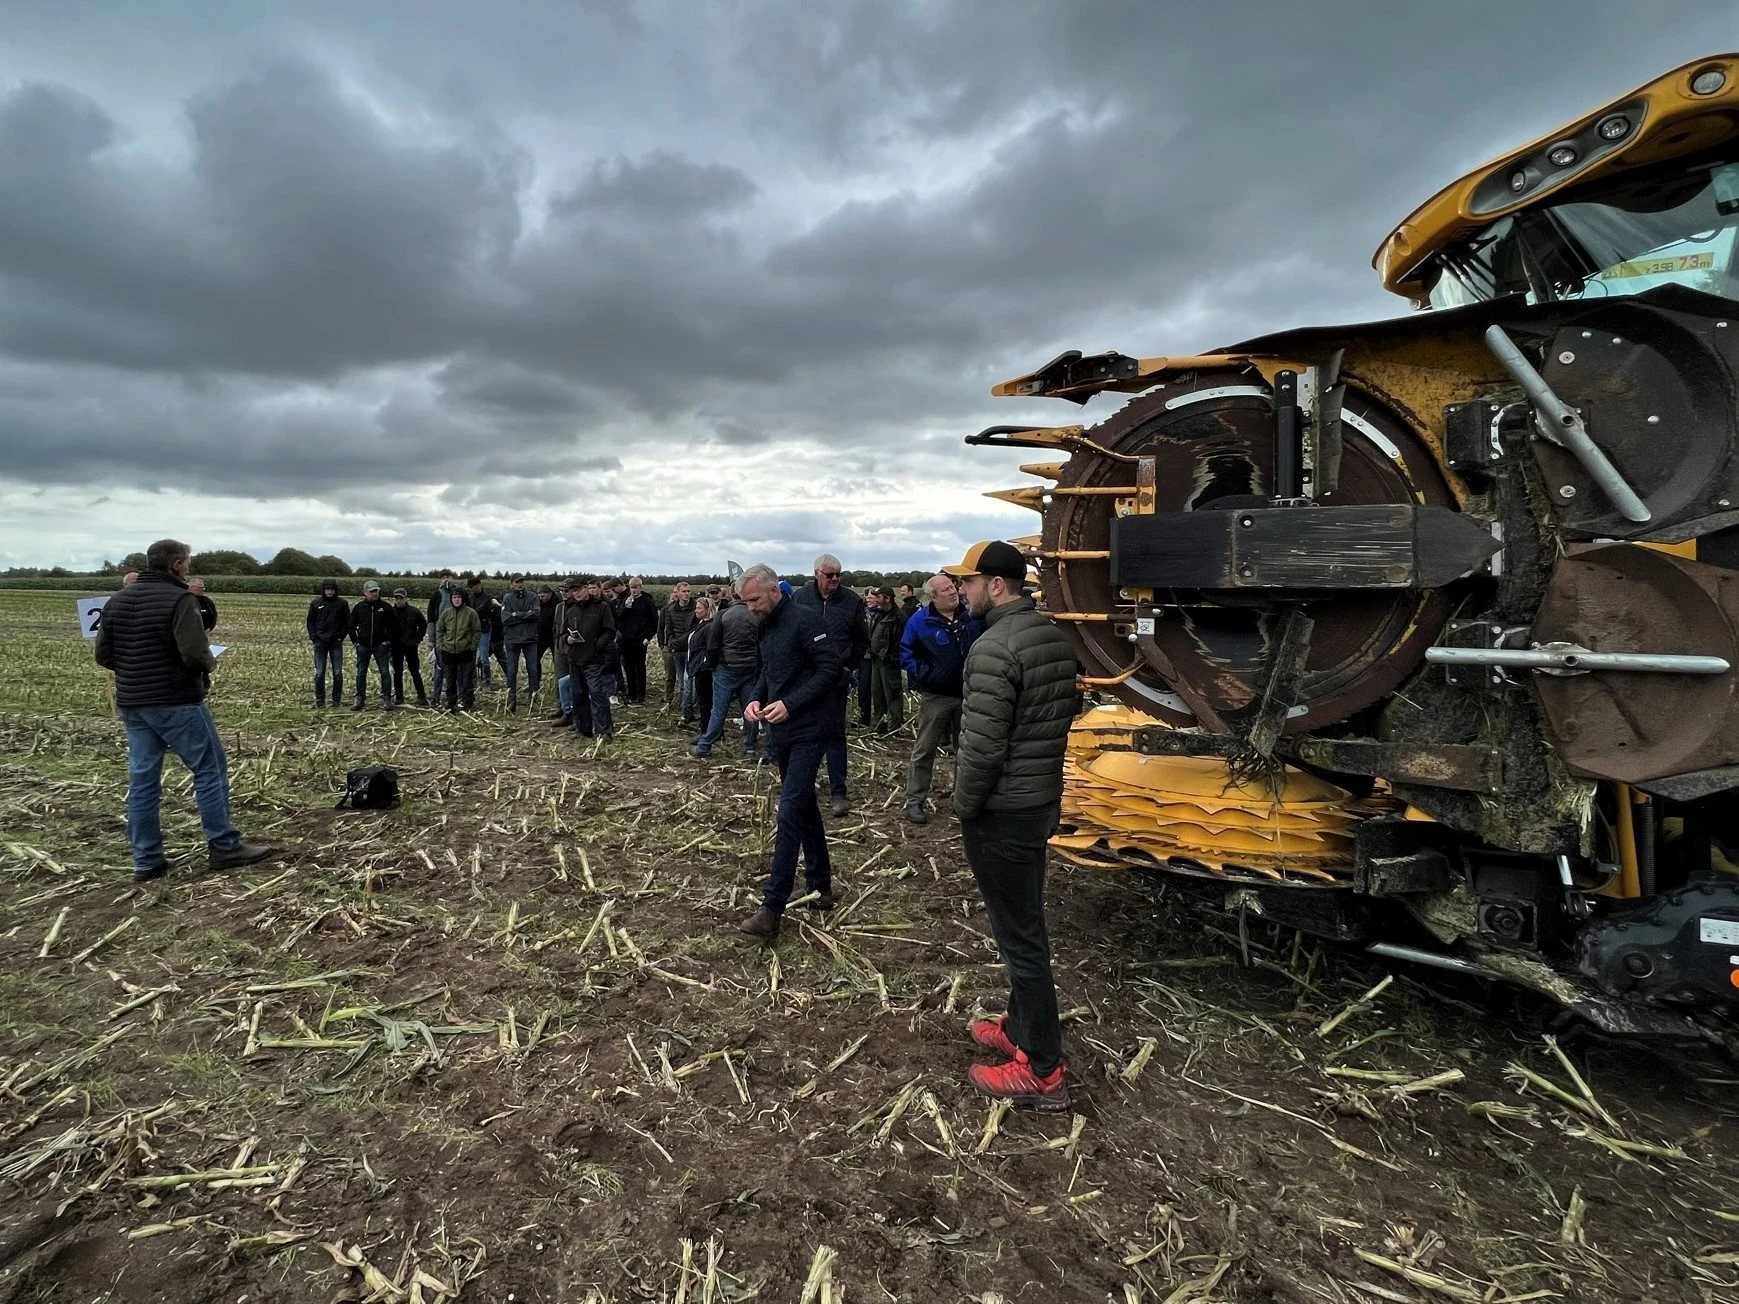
point(255, 253)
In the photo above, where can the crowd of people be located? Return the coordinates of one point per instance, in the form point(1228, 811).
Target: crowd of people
point(994, 680)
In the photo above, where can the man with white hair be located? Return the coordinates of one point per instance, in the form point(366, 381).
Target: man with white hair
point(794, 697)
point(841, 613)
point(933, 652)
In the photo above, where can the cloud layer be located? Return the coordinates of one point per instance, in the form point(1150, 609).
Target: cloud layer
point(644, 285)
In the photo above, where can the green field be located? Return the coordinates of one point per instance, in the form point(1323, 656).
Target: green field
point(504, 1043)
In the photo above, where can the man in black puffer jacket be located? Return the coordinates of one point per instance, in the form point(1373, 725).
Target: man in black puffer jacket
point(328, 623)
point(151, 636)
point(1008, 787)
point(794, 697)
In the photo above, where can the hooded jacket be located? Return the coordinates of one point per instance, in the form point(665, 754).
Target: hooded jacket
point(328, 618)
point(933, 649)
point(546, 623)
point(519, 613)
point(458, 630)
point(433, 611)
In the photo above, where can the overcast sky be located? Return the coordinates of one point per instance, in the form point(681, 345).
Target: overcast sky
point(650, 285)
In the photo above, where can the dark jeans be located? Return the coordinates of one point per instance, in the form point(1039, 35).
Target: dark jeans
point(189, 732)
point(938, 718)
point(516, 652)
point(328, 655)
point(410, 658)
point(833, 727)
point(460, 670)
point(634, 670)
point(598, 686)
point(702, 680)
point(887, 696)
point(1006, 850)
point(730, 682)
point(382, 658)
point(800, 829)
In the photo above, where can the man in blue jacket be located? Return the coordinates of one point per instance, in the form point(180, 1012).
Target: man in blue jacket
point(933, 653)
point(841, 613)
point(795, 696)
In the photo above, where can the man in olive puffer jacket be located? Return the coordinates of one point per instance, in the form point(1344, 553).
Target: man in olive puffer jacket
point(1020, 700)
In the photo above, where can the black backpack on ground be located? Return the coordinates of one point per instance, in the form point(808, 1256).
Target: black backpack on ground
point(375, 787)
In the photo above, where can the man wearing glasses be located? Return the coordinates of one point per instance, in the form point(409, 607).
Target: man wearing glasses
point(841, 613)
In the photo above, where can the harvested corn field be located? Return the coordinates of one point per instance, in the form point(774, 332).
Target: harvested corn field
point(503, 1043)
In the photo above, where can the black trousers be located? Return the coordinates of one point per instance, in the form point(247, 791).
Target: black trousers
point(1006, 850)
point(634, 670)
point(403, 657)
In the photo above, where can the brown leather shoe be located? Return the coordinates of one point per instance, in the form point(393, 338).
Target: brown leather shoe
point(763, 925)
point(243, 853)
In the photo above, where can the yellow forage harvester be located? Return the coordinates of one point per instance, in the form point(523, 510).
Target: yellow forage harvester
point(1123, 809)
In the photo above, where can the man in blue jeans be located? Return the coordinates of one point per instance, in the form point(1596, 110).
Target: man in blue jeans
point(733, 649)
point(799, 679)
point(154, 641)
point(328, 623)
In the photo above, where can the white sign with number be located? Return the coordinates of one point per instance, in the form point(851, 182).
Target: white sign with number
point(90, 615)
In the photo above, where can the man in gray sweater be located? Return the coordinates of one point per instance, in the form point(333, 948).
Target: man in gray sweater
point(1020, 699)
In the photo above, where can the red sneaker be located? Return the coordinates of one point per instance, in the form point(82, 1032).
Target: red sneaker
point(989, 1034)
point(1016, 1082)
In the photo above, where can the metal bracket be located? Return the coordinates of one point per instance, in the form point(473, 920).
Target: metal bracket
point(1562, 424)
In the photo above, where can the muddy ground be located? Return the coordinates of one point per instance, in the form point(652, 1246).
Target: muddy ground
point(503, 1043)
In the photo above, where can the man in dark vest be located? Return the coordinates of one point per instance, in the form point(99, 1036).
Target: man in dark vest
point(154, 641)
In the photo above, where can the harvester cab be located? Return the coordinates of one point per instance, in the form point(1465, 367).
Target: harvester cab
point(1422, 632)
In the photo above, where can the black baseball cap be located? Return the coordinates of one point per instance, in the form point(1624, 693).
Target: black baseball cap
point(992, 557)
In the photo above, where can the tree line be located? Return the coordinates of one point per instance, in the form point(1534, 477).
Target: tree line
point(293, 562)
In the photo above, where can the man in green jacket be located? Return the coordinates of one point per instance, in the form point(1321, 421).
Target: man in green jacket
point(1019, 701)
point(458, 630)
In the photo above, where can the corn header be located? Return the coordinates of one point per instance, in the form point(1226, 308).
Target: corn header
point(1424, 630)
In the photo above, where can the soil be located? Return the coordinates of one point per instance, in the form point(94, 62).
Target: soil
point(573, 1141)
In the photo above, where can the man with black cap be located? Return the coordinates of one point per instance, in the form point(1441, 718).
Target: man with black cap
point(374, 629)
point(1020, 700)
point(407, 642)
point(519, 634)
point(569, 686)
point(328, 623)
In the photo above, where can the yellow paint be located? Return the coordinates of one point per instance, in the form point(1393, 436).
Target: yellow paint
point(1675, 123)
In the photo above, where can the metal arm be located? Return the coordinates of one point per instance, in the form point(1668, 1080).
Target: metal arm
point(1562, 424)
point(1568, 658)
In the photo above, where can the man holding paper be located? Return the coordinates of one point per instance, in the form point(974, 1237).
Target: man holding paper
point(153, 639)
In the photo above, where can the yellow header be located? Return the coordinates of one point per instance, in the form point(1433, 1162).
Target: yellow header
point(1691, 109)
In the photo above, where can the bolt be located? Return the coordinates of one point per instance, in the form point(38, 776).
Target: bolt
point(1246, 571)
point(1566, 357)
point(1133, 637)
point(1246, 521)
point(1654, 421)
point(1616, 340)
point(1497, 629)
point(1723, 502)
point(1566, 491)
point(1497, 676)
point(1587, 335)
point(1720, 325)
